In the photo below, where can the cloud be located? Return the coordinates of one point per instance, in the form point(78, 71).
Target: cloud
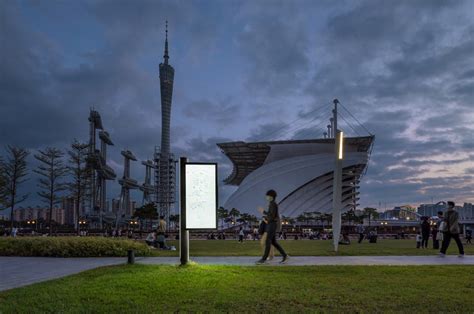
point(274, 46)
point(222, 113)
point(246, 70)
point(267, 132)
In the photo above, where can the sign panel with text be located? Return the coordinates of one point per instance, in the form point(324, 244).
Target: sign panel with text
point(201, 195)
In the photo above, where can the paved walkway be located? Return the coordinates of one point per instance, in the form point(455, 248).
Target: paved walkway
point(21, 271)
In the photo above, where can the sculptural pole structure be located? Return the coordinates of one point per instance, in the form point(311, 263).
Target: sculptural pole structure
point(99, 171)
point(147, 188)
point(127, 184)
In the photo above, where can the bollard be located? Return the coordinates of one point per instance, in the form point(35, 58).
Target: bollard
point(131, 257)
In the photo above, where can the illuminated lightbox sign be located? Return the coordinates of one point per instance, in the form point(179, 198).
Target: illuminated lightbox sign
point(201, 196)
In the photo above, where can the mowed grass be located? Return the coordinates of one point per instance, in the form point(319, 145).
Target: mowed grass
point(196, 288)
point(308, 248)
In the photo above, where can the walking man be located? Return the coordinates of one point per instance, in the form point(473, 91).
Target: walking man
point(451, 230)
point(425, 233)
point(360, 230)
point(241, 235)
point(272, 217)
point(437, 234)
point(468, 236)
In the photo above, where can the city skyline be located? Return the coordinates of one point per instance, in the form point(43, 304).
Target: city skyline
point(243, 70)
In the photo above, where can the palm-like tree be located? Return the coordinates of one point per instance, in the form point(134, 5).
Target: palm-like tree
point(253, 219)
point(316, 216)
point(146, 214)
point(370, 213)
point(244, 218)
point(308, 217)
point(174, 219)
point(350, 216)
point(326, 217)
point(222, 214)
point(300, 218)
point(234, 213)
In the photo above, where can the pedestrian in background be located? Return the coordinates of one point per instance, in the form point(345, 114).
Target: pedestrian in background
point(468, 236)
point(438, 236)
point(255, 233)
point(425, 233)
point(360, 230)
point(161, 226)
point(418, 240)
point(241, 235)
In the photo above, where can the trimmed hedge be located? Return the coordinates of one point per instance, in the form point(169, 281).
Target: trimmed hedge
point(70, 247)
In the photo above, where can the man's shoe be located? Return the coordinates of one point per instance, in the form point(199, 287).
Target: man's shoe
point(285, 259)
point(441, 254)
point(260, 262)
point(461, 255)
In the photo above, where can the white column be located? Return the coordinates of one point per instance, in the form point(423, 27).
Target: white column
point(337, 190)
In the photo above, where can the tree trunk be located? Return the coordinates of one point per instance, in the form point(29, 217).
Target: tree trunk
point(12, 203)
point(77, 215)
point(11, 216)
point(51, 216)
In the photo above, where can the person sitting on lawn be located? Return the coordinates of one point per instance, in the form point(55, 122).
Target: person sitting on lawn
point(151, 239)
point(345, 239)
point(161, 242)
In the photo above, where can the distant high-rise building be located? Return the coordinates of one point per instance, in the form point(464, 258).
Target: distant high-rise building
point(431, 210)
point(115, 205)
point(35, 213)
point(165, 174)
point(69, 206)
point(467, 211)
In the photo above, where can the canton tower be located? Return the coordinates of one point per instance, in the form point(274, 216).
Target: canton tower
point(165, 166)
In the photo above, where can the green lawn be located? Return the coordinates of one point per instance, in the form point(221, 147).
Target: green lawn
point(145, 289)
point(100, 246)
point(308, 247)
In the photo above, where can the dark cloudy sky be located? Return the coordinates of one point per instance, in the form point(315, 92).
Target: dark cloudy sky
point(244, 69)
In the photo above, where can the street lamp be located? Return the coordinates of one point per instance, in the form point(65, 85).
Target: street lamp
point(337, 187)
point(341, 142)
point(133, 224)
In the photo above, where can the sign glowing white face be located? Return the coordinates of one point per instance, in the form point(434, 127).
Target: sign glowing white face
point(201, 196)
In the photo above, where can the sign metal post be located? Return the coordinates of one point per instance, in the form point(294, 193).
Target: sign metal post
point(183, 232)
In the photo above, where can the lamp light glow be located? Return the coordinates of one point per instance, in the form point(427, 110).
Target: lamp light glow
point(341, 139)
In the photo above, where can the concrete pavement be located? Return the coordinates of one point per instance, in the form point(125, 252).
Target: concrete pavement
point(21, 271)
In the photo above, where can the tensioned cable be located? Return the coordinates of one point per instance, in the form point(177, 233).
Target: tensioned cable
point(294, 129)
point(280, 129)
point(350, 125)
point(315, 128)
point(355, 119)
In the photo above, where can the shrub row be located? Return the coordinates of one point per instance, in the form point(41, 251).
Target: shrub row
point(70, 247)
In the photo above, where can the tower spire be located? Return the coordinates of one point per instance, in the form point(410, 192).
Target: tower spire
point(166, 57)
